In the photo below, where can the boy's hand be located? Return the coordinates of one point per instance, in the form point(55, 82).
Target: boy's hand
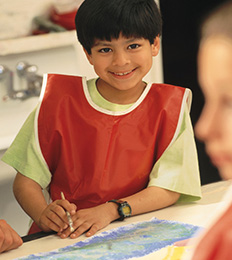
point(54, 216)
point(91, 220)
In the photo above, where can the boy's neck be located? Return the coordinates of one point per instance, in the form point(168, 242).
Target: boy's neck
point(122, 97)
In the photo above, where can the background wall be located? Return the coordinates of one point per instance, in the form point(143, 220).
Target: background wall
point(16, 16)
point(181, 22)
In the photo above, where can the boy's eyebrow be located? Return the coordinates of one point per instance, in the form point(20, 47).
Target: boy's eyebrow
point(97, 43)
point(133, 40)
point(107, 43)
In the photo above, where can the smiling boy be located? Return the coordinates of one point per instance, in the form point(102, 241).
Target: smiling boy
point(121, 65)
point(114, 139)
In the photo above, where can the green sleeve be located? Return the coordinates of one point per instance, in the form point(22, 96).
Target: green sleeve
point(25, 157)
point(177, 169)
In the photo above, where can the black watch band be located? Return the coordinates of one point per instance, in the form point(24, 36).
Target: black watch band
point(124, 209)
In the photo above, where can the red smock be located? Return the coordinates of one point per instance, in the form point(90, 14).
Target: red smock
point(95, 156)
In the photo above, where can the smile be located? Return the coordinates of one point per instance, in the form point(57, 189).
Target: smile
point(122, 74)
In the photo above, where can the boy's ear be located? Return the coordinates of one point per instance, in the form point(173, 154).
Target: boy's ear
point(89, 57)
point(156, 46)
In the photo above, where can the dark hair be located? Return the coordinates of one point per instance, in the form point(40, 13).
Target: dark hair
point(106, 19)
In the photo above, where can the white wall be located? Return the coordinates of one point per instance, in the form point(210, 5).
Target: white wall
point(16, 16)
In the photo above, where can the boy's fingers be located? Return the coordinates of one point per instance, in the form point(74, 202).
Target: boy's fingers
point(54, 217)
point(49, 223)
point(74, 209)
point(60, 211)
point(65, 233)
point(67, 206)
point(93, 230)
point(79, 228)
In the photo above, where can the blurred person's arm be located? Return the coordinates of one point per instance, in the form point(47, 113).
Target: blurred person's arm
point(9, 239)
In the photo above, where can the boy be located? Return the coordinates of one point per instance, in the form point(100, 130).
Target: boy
point(114, 139)
point(215, 124)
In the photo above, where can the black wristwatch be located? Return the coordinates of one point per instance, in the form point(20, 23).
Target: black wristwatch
point(124, 209)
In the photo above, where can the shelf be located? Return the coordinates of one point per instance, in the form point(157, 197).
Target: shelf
point(38, 42)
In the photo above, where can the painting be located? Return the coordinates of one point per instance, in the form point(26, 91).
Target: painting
point(126, 242)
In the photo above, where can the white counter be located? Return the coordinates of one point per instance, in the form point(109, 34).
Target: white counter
point(197, 213)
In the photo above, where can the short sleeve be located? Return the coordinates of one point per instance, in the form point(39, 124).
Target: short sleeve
point(177, 169)
point(24, 156)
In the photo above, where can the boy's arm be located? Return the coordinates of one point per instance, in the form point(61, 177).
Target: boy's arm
point(96, 218)
point(151, 198)
point(30, 196)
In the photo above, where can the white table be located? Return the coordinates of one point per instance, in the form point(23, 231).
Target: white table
point(196, 213)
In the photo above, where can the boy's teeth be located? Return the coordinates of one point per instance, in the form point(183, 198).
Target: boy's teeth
point(121, 74)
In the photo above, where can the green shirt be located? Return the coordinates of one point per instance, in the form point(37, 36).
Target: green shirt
point(176, 170)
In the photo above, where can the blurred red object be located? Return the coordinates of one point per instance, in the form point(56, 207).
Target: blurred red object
point(39, 32)
point(66, 20)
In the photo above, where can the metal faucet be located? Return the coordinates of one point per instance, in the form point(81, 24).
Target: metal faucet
point(31, 82)
point(28, 73)
point(6, 76)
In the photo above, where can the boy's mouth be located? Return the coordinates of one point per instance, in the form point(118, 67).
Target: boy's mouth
point(123, 73)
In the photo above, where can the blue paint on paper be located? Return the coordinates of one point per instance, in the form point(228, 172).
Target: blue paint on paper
point(133, 240)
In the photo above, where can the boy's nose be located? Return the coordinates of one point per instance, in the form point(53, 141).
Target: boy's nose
point(120, 58)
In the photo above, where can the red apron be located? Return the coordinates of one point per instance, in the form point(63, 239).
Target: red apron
point(95, 156)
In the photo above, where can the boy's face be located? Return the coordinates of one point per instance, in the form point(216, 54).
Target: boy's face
point(121, 64)
point(215, 124)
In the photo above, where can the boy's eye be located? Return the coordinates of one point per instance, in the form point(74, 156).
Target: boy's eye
point(105, 50)
point(133, 46)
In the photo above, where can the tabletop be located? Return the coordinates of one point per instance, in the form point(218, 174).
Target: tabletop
point(195, 213)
